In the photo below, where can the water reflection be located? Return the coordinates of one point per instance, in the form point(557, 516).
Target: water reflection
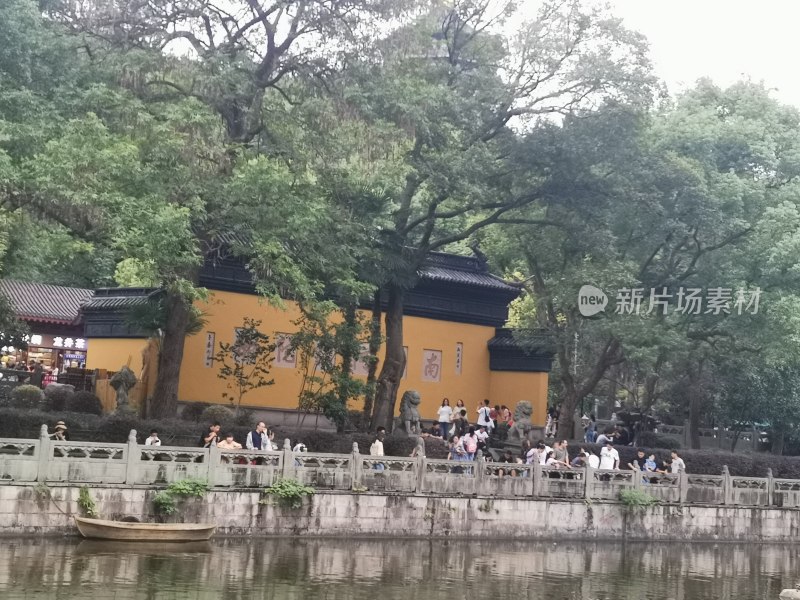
point(384, 570)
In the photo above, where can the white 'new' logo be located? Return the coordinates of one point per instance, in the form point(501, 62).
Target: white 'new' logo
point(591, 300)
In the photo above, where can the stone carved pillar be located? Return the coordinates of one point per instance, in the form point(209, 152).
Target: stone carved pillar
point(43, 454)
point(287, 471)
point(355, 467)
point(132, 459)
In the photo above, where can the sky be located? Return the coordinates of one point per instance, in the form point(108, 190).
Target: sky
point(726, 40)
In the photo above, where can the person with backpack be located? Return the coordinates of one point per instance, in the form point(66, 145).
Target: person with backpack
point(485, 416)
point(471, 444)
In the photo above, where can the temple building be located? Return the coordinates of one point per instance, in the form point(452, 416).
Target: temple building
point(454, 339)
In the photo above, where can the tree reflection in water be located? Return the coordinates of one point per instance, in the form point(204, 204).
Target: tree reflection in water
point(333, 569)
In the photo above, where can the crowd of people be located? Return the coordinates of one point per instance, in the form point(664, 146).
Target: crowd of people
point(33, 373)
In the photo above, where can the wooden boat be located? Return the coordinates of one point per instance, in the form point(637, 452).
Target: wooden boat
point(123, 531)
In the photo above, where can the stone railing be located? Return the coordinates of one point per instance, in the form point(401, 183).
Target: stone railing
point(49, 461)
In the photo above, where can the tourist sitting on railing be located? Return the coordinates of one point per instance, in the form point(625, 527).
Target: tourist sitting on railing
point(460, 423)
point(609, 457)
point(579, 461)
point(483, 437)
point(60, 434)
point(561, 453)
point(229, 443)
point(525, 447)
point(457, 452)
point(376, 449)
point(470, 442)
point(676, 464)
point(507, 457)
point(640, 464)
point(604, 437)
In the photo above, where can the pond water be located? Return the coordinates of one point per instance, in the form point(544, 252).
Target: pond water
point(387, 569)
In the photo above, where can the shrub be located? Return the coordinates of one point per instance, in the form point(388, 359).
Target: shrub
point(57, 395)
point(636, 500)
point(27, 396)
point(244, 418)
point(656, 440)
point(85, 402)
point(193, 411)
point(217, 413)
point(288, 492)
point(166, 501)
point(86, 503)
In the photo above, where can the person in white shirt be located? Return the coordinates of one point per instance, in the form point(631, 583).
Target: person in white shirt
point(482, 435)
point(445, 416)
point(153, 439)
point(609, 457)
point(484, 416)
point(677, 465)
point(592, 460)
point(376, 449)
point(258, 439)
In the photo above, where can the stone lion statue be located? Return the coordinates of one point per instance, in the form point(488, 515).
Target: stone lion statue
point(409, 412)
point(522, 422)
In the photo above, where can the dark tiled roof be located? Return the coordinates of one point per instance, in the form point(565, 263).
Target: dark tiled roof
point(528, 341)
point(463, 270)
point(112, 299)
point(44, 302)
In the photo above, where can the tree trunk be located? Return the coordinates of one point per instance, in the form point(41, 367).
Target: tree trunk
point(374, 347)
point(566, 417)
point(348, 358)
point(695, 402)
point(694, 420)
point(165, 396)
point(778, 438)
point(394, 363)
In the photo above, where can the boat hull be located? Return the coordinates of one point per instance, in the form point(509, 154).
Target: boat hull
point(99, 529)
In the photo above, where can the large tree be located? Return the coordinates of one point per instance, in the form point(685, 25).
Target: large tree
point(453, 93)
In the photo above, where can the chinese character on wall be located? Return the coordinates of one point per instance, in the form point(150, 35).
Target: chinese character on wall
point(431, 365)
point(209, 353)
point(459, 357)
point(58, 342)
point(284, 354)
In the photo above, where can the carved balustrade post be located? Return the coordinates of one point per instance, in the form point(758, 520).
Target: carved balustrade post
point(43, 454)
point(133, 457)
point(355, 467)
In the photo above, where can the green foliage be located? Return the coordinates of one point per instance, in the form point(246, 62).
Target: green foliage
point(637, 500)
point(648, 439)
point(86, 503)
point(167, 501)
point(330, 343)
point(193, 411)
point(245, 363)
point(27, 396)
point(84, 402)
point(289, 493)
point(217, 413)
point(57, 397)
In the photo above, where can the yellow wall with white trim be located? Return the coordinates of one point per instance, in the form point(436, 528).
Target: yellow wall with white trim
point(225, 311)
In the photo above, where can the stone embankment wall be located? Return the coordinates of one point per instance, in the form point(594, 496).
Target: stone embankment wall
point(48, 510)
